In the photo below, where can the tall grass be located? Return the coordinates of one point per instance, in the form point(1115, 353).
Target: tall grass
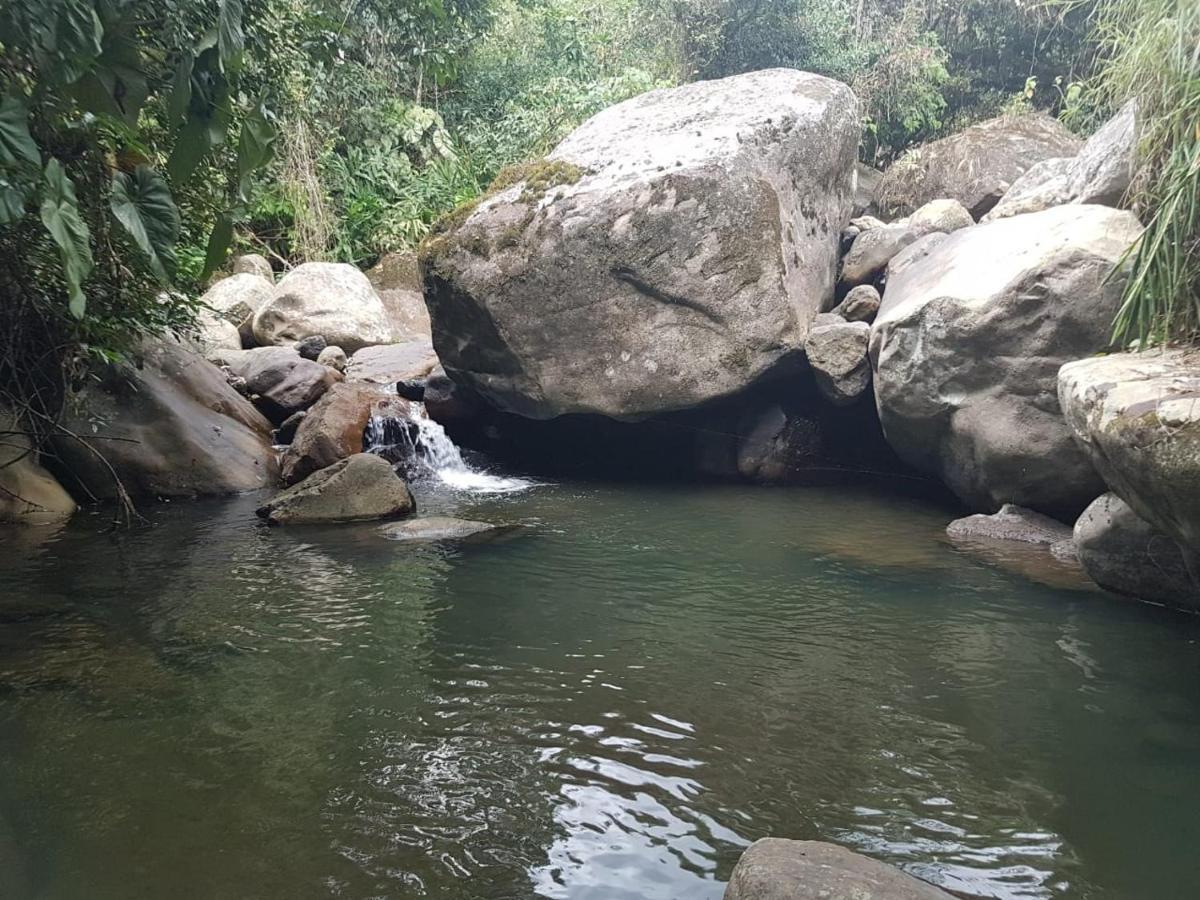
point(1150, 50)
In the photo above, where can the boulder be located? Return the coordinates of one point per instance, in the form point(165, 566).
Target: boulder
point(281, 380)
point(397, 280)
point(1137, 416)
point(1011, 523)
point(672, 250)
point(1127, 555)
point(333, 428)
point(976, 166)
point(334, 300)
point(334, 358)
point(311, 347)
point(860, 304)
point(236, 299)
point(778, 869)
point(253, 264)
point(356, 489)
point(1100, 173)
point(389, 363)
point(168, 425)
point(439, 528)
point(214, 335)
point(866, 183)
point(286, 432)
point(838, 356)
point(967, 346)
point(29, 495)
point(873, 249)
point(448, 402)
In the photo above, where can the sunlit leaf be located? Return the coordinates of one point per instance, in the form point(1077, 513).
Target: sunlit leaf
point(60, 215)
point(142, 203)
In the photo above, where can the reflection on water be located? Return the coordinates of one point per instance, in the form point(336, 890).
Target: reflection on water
point(611, 705)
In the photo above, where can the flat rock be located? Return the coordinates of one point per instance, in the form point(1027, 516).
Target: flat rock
point(356, 489)
point(1011, 523)
point(778, 869)
point(438, 528)
point(389, 363)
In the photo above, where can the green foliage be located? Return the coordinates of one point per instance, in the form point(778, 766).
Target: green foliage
point(1151, 51)
point(60, 215)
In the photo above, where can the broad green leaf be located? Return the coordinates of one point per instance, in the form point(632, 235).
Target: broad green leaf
point(16, 144)
point(218, 244)
point(117, 85)
point(78, 34)
point(142, 204)
point(181, 90)
point(230, 39)
point(191, 143)
point(14, 194)
point(256, 145)
point(60, 215)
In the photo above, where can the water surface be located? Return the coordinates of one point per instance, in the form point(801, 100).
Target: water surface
point(609, 703)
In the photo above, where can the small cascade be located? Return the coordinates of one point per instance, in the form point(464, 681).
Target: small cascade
point(423, 450)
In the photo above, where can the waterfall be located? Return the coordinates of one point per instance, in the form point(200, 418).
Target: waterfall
point(425, 452)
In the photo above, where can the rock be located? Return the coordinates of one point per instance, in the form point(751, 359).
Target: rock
point(860, 305)
point(447, 402)
point(838, 356)
point(967, 346)
point(439, 528)
point(333, 428)
point(866, 183)
point(1125, 554)
point(829, 318)
point(913, 254)
point(976, 166)
point(412, 389)
point(286, 432)
point(334, 300)
point(1137, 416)
point(1100, 173)
point(866, 223)
point(214, 335)
point(356, 489)
point(311, 347)
point(334, 358)
point(672, 250)
point(29, 495)
point(874, 249)
point(389, 363)
point(282, 381)
point(236, 299)
point(169, 425)
point(397, 279)
point(1011, 523)
point(1104, 167)
point(253, 264)
point(778, 869)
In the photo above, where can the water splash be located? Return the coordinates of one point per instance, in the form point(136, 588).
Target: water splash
point(423, 448)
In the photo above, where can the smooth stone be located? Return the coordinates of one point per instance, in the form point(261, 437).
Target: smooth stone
point(29, 495)
point(334, 358)
point(280, 379)
point(253, 264)
point(237, 298)
point(334, 300)
point(356, 489)
point(389, 363)
point(860, 305)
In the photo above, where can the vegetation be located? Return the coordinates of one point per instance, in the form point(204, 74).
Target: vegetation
point(1151, 51)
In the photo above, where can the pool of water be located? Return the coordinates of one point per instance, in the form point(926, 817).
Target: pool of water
point(610, 702)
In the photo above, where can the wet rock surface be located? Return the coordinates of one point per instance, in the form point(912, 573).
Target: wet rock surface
point(356, 489)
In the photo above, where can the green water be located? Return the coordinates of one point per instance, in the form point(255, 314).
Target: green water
point(609, 704)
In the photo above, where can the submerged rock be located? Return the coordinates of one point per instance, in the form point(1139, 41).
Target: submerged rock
point(976, 166)
point(1125, 554)
point(1137, 416)
point(440, 528)
point(674, 249)
point(967, 346)
point(778, 869)
point(334, 300)
point(356, 489)
point(169, 426)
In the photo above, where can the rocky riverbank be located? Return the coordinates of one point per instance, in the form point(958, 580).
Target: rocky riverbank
point(703, 281)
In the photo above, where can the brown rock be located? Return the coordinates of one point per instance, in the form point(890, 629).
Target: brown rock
point(333, 428)
point(357, 489)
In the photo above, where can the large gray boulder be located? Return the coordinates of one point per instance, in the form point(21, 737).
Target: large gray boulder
point(282, 381)
point(359, 488)
point(672, 250)
point(779, 869)
point(1124, 553)
point(334, 300)
point(237, 298)
point(29, 495)
point(1100, 173)
point(967, 346)
point(167, 425)
point(397, 280)
point(1137, 416)
point(976, 166)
